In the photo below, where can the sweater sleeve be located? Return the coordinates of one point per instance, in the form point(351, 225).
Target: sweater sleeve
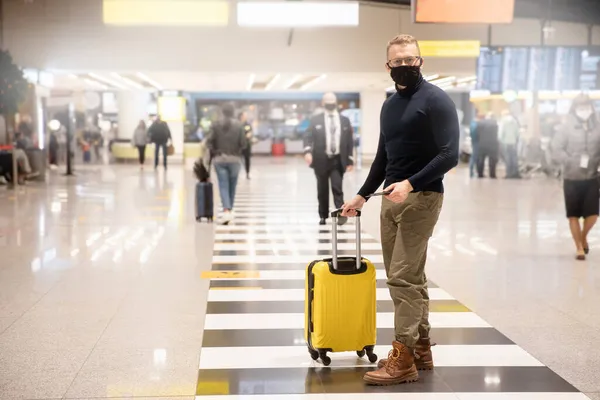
point(559, 145)
point(377, 172)
point(446, 134)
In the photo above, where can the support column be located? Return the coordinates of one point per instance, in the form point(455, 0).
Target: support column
point(133, 107)
point(370, 106)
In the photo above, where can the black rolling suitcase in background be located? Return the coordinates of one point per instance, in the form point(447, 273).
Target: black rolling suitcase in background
point(204, 188)
point(204, 201)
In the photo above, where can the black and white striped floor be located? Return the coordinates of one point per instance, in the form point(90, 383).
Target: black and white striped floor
point(253, 345)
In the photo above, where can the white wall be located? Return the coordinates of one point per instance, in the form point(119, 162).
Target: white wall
point(69, 34)
point(133, 107)
point(370, 107)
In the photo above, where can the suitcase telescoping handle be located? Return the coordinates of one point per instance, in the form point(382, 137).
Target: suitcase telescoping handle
point(334, 215)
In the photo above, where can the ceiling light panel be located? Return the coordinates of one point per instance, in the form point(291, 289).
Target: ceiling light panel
point(127, 81)
point(292, 81)
point(313, 82)
point(106, 80)
point(166, 12)
point(251, 80)
point(297, 14)
point(272, 82)
point(95, 83)
point(147, 79)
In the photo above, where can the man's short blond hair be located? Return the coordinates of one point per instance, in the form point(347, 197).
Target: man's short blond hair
point(402, 40)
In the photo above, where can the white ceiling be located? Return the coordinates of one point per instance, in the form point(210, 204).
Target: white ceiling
point(232, 82)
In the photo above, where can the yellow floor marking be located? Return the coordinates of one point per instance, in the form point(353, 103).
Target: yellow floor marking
point(457, 307)
point(207, 388)
point(230, 274)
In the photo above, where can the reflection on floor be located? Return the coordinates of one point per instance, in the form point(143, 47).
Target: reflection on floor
point(104, 279)
point(253, 340)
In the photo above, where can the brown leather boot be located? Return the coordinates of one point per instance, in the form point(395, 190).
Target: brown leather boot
point(399, 368)
point(423, 355)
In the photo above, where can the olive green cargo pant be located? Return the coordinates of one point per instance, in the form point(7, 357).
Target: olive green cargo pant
point(405, 232)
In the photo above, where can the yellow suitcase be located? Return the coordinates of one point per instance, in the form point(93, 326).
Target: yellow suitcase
point(340, 303)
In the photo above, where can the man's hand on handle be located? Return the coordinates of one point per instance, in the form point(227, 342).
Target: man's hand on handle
point(400, 191)
point(349, 168)
point(350, 207)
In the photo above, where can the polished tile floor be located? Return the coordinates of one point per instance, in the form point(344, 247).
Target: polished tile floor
point(110, 289)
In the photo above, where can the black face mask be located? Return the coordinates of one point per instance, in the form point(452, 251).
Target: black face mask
point(330, 106)
point(406, 75)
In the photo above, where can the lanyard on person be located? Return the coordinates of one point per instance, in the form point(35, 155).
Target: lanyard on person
point(585, 158)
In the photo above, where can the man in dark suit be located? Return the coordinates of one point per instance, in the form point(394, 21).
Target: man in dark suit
point(160, 135)
point(329, 148)
point(487, 133)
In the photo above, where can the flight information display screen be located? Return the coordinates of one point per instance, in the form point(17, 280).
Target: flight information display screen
point(538, 68)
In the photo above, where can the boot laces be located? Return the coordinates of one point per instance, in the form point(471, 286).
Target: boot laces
point(395, 356)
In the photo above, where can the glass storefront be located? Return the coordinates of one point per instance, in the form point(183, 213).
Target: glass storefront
point(275, 118)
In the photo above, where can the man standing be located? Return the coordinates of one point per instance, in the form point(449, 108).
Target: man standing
point(160, 135)
point(418, 144)
point(247, 152)
point(487, 132)
point(509, 138)
point(474, 145)
point(329, 146)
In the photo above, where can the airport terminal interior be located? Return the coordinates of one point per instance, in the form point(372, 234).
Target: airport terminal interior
point(162, 230)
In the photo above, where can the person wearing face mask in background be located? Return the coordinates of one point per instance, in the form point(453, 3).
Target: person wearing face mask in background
point(576, 146)
point(418, 144)
point(329, 149)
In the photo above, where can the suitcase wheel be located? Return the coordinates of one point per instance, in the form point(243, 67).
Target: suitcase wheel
point(324, 359)
point(372, 356)
point(361, 353)
point(314, 354)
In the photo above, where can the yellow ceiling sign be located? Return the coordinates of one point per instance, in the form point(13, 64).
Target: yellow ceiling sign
point(165, 12)
point(230, 274)
point(171, 108)
point(450, 48)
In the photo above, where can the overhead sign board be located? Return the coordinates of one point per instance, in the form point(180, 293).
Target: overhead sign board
point(450, 48)
point(463, 11)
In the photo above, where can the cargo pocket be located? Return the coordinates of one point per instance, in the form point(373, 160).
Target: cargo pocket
point(421, 216)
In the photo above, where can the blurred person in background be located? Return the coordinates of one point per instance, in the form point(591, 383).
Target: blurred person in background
point(53, 149)
point(160, 135)
point(226, 142)
point(329, 150)
point(508, 134)
point(487, 136)
point(474, 146)
point(247, 153)
point(576, 146)
point(140, 140)
point(25, 127)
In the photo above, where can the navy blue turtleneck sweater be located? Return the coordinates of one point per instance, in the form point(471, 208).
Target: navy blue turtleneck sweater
point(418, 140)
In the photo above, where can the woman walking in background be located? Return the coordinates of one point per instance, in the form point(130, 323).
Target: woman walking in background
point(226, 142)
point(577, 147)
point(140, 140)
